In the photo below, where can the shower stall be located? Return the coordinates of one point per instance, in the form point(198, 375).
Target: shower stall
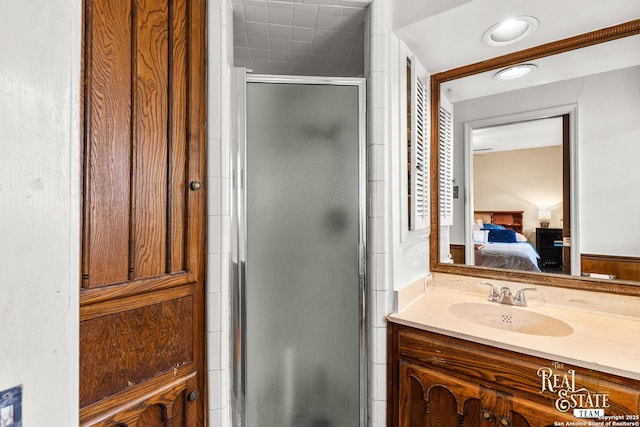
point(298, 251)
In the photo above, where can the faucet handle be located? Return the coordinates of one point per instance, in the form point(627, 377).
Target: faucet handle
point(520, 299)
point(494, 296)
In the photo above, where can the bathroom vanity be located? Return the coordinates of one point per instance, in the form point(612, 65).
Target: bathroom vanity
point(446, 370)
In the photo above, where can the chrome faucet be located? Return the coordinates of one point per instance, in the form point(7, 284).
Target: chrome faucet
point(505, 296)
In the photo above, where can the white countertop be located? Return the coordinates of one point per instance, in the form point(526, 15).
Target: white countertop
point(598, 342)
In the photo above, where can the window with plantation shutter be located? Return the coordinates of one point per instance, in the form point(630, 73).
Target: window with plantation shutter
point(420, 157)
point(445, 174)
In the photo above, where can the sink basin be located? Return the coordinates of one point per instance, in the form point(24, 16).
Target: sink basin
point(510, 318)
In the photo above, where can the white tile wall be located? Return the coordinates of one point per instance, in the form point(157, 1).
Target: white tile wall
point(219, 61)
point(379, 212)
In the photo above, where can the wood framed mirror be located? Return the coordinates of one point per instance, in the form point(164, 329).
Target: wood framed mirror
point(438, 82)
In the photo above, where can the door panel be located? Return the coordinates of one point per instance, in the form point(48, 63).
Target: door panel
point(142, 291)
point(303, 225)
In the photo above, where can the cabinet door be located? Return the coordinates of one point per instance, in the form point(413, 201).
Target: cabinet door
point(429, 398)
point(528, 414)
point(432, 399)
point(142, 289)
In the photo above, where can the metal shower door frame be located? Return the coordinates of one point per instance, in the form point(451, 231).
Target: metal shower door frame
point(238, 242)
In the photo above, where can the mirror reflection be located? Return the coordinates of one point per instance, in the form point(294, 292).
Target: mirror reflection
point(546, 166)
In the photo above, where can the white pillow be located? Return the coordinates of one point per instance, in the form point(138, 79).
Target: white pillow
point(480, 236)
point(520, 237)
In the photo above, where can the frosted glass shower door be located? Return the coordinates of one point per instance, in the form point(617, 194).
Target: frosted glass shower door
point(303, 219)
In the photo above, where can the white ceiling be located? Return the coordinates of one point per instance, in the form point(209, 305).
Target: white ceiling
point(306, 37)
point(600, 58)
point(518, 136)
point(453, 38)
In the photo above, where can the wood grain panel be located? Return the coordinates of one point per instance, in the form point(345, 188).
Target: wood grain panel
point(178, 154)
point(153, 416)
point(123, 349)
point(149, 195)
point(625, 268)
point(168, 403)
point(457, 253)
point(107, 141)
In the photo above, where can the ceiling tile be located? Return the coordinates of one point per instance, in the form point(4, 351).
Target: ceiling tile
point(304, 37)
point(322, 48)
point(256, 13)
point(259, 54)
point(354, 11)
point(318, 59)
point(340, 49)
point(254, 2)
point(304, 19)
point(347, 38)
point(330, 10)
point(279, 32)
point(238, 14)
point(257, 29)
point(281, 4)
point(260, 64)
point(296, 57)
point(279, 56)
point(323, 36)
point(240, 41)
point(303, 7)
point(350, 23)
point(258, 42)
point(302, 34)
point(279, 66)
point(280, 45)
point(243, 62)
point(280, 16)
point(297, 46)
point(241, 52)
point(239, 28)
point(353, 3)
point(327, 22)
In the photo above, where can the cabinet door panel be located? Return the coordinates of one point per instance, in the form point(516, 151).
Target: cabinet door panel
point(142, 286)
point(436, 400)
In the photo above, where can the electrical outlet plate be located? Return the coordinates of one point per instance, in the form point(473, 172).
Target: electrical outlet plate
point(11, 407)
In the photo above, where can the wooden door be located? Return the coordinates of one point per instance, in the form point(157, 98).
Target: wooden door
point(142, 285)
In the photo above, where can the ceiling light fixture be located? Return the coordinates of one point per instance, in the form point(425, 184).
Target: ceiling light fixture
point(510, 31)
point(515, 72)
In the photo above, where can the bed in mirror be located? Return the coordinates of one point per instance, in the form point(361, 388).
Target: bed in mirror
point(544, 168)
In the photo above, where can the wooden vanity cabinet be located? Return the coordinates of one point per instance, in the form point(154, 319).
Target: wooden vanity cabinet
point(439, 381)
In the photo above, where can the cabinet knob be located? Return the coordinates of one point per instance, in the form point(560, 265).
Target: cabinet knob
point(194, 395)
point(486, 415)
point(196, 185)
point(504, 421)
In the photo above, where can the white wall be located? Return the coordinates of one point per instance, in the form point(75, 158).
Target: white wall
point(609, 162)
point(410, 250)
point(39, 211)
point(608, 108)
point(520, 180)
point(407, 12)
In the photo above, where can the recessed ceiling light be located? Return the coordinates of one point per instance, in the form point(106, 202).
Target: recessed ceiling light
point(515, 72)
point(510, 30)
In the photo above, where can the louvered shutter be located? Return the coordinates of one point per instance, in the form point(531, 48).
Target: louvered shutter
point(420, 158)
point(445, 174)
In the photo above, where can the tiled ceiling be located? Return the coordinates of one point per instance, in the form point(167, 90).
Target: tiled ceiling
point(310, 37)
